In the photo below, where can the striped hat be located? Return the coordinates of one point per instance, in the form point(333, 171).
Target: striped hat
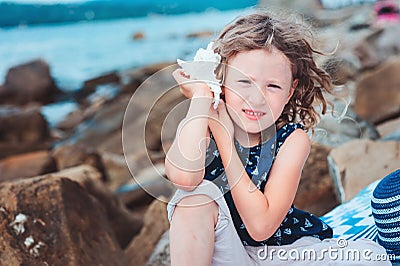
point(385, 205)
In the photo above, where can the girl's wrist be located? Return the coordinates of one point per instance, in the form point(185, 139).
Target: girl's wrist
point(203, 93)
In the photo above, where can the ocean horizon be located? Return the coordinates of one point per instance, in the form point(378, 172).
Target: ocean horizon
point(16, 13)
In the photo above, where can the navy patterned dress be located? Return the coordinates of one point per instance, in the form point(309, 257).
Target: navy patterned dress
point(258, 161)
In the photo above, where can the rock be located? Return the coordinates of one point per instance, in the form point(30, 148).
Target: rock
point(156, 99)
point(316, 192)
point(72, 120)
point(81, 174)
point(379, 45)
point(90, 85)
point(381, 85)
point(156, 121)
point(145, 186)
point(22, 130)
point(389, 128)
point(155, 224)
point(67, 156)
point(200, 34)
point(307, 8)
point(103, 130)
point(161, 255)
point(124, 223)
point(334, 131)
point(54, 221)
point(116, 170)
point(29, 82)
point(131, 80)
point(26, 165)
point(358, 163)
point(138, 35)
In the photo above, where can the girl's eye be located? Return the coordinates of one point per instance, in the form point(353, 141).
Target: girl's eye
point(274, 86)
point(244, 81)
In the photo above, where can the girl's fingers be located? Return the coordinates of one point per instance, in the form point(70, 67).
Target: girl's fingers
point(179, 75)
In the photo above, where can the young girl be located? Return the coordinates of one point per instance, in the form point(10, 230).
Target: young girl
point(237, 168)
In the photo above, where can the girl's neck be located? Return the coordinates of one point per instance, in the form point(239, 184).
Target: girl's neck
point(250, 140)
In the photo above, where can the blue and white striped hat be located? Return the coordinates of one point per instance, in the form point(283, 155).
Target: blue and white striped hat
point(385, 205)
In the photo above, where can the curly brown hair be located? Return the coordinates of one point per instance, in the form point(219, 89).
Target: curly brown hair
point(261, 30)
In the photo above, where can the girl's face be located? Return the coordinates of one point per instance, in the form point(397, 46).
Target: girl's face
point(258, 84)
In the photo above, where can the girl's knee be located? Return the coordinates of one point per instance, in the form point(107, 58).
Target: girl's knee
point(197, 207)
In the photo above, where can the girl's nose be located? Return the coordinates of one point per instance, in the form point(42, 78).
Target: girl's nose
point(256, 97)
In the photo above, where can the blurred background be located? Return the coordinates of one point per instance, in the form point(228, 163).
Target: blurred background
point(68, 69)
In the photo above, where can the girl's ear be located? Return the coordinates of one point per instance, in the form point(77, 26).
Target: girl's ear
point(294, 86)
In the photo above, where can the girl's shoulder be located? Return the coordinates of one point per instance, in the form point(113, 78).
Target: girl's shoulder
point(285, 131)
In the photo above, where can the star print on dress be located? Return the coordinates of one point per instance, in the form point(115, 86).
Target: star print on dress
point(295, 220)
point(213, 172)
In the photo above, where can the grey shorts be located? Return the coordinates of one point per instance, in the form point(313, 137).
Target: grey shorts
point(229, 250)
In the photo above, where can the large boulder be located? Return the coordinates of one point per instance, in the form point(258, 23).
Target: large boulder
point(67, 156)
point(390, 130)
point(377, 93)
point(29, 82)
point(358, 163)
point(22, 130)
point(26, 165)
point(124, 223)
point(316, 192)
point(54, 221)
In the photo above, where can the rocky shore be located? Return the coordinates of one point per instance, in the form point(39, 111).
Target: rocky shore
point(67, 192)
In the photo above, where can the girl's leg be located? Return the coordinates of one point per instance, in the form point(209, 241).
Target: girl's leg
point(192, 231)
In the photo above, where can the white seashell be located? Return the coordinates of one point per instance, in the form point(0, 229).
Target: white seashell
point(29, 241)
point(203, 68)
point(18, 223)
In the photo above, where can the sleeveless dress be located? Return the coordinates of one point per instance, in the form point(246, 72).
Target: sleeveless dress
point(257, 161)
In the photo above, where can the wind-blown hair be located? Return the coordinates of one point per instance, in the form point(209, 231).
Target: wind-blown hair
point(260, 30)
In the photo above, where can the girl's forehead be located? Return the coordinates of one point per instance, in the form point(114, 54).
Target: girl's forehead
point(260, 61)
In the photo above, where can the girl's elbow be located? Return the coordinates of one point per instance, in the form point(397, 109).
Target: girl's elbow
point(182, 179)
point(261, 232)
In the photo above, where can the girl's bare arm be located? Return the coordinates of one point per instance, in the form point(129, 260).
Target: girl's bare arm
point(185, 159)
point(262, 213)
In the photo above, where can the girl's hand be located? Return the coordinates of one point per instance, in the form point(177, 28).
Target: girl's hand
point(190, 87)
point(221, 124)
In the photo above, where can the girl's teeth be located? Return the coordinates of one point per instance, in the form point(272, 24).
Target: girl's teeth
point(253, 113)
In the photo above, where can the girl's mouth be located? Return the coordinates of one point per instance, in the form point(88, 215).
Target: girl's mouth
point(253, 115)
